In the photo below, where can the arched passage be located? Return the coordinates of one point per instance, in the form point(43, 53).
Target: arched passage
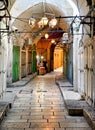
point(29, 8)
point(21, 13)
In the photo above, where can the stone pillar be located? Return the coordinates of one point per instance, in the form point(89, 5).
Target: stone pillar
point(75, 63)
point(10, 57)
point(64, 63)
point(0, 65)
point(4, 60)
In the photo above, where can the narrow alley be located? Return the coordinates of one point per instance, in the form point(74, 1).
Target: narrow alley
point(37, 37)
point(40, 106)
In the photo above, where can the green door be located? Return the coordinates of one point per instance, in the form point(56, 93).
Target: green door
point(16, 63)
point(34, 66)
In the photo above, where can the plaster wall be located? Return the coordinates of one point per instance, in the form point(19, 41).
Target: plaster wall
point(10, 61)
point(3, 59)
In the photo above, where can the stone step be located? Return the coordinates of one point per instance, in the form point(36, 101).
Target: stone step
point(89, 114)
point(4, 107)
point(23, 81)
point(81, 108)
point(8, 97)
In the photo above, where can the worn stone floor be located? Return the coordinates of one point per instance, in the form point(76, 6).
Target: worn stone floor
point(40, 106)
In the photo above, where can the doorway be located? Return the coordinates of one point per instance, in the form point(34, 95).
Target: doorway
point(16, 63)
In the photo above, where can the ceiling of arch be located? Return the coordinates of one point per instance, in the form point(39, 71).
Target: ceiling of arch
point(22, 10)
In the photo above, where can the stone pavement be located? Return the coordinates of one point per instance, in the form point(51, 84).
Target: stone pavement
point(39, 105)
point(66, 89)
point(23, 81)
point(8, 97)
point(74, 102)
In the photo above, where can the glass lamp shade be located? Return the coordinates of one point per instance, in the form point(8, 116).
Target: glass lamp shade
point(46, 36)
point(52, 23)
point(52, 41)
point(40, 24)
point(43, 22)
point(3, 4)
point(32, 22)
point(2, 8)
point(2, 13)
point(42, 57)
point(37, 56)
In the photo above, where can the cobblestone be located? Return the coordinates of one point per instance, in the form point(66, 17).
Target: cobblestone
point(40, 106)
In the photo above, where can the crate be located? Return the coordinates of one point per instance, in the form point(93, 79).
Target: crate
point(42, 71)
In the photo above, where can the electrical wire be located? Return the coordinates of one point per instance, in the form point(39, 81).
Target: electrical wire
point(20, 19)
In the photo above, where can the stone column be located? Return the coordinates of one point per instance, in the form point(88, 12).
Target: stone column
point(4, 60)
point(75, 63)
point(0, 65)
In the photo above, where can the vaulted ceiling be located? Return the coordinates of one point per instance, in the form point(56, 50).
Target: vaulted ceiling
point(22, 10)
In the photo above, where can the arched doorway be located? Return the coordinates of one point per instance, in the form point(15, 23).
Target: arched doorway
point(58, 58)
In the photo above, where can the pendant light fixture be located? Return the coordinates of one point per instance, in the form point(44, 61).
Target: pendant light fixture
point(48, 17)
point(46, 36)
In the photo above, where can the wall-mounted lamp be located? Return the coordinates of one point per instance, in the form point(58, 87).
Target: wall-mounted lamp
point(3, 7)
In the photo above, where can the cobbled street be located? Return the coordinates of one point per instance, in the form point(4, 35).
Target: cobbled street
point(40, 106)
